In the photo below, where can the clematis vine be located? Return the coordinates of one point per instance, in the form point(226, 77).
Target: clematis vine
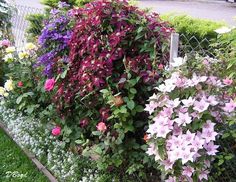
point(186, 117)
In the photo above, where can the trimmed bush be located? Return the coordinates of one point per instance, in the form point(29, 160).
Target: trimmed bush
point(189, 26)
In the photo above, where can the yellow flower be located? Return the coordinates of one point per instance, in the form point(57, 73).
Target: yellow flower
point(8, 57)
point(23, 55)
point(10, 49)
point(8, 85)
point(30, 46)
point(6, 94)
point(2, 91)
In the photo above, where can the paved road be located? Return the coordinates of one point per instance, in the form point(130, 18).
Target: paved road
point(208, 9)
point(30, 3)
point(214, 10)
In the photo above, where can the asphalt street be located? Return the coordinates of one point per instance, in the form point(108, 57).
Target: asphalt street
point(213, 10)
point(217, 10)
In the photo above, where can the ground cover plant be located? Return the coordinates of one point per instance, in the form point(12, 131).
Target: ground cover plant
point(15, 165)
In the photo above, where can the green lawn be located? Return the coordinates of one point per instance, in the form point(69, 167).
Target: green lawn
point(15, 165)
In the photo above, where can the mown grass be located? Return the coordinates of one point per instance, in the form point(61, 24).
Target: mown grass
point(15, 166)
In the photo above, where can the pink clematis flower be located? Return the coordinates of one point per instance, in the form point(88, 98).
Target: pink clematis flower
point(212, 100)
point(163, 131)
point(209, 125)
point(211, 148)
point(167, 164)
point(188, 171)
point(188, 102)
point(171, 179)
point(203, 175)
point(201, 106)
point(49, 84)
point(198, 143)
point(229, 107)
point(183, 119)
point(151, 107)
point(227, 81)
point(209, 135)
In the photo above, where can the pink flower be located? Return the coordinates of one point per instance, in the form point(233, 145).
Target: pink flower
point(188, 137)
point(201, 106)
point(209, 135)
point(212, 100)
point(188, 102)
point(5, 43)
point(20, 84)
point(209, 125)
point(183, 119)
point(197, 143)
point(171, 179)
point(187, 156)
point(84, 122)
point(160, 66)
point(211, 148)
point(188, 171)
point(101, 127)
point(173, 103)
point(203, 175)
point(49, 84)
point(168, 164)
point(229, 107)
point(163, 131)
point(56, 131)
point(227, 81)
point(151, 107)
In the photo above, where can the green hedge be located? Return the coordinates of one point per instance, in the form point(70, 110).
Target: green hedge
point(189, 26)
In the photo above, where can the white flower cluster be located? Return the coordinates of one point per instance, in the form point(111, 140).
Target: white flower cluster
point(32, 134)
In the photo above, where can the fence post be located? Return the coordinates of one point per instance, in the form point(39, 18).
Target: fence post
point(174, 45)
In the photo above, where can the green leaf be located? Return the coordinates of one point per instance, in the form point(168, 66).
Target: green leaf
point(220, 162)
point(133, 90)
point(96, 133)
point(98, 150)
point(130, 104)
point(79, 141)
point(123, 110)
point(63, 75)
point(139, 108)
point(19, 99)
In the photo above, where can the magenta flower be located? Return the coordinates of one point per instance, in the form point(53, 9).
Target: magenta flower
point(49, 84)
point(56, 131)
